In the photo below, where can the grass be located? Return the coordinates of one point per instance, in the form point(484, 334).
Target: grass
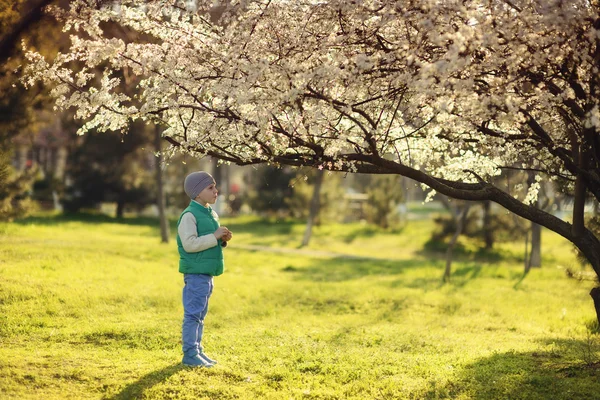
point(90, 308)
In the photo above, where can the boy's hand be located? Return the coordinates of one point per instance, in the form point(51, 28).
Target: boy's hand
point(222, 232)
point(227, 236)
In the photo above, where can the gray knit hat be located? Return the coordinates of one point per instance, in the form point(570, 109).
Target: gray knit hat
point(196, 182)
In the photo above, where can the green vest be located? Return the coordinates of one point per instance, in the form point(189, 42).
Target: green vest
point(209, 261)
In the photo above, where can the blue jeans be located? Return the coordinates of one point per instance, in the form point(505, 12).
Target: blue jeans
point(196, 292)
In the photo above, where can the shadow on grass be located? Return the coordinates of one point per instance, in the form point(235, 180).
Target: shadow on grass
point(366, 231)
point(532, 375)
point(461, 253)
point(136, 389)
point(342, 269)
point(339, 269)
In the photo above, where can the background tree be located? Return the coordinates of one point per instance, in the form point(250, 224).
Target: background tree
point(19, 110)
point(459, 212)
point(449, 94)
point(161, 197)
point(309, 202)
point(111, 167)
point(314, 207)
point(485, 227)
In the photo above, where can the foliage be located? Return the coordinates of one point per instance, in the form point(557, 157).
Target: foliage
point(100, 318)
point(9, 14)
point(23, 113)
point(14, 116)
point(14, 200)
point(18, 108)
point(111, 168)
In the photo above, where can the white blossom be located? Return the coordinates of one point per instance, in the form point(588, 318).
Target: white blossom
point(445, 87)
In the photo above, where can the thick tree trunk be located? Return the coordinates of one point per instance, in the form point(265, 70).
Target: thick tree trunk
point(595, 293)
point(460, 217)
point(590, 247)
point(160, 188)
point(315, 205)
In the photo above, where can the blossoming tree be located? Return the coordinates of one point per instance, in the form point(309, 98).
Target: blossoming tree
point(448, 93)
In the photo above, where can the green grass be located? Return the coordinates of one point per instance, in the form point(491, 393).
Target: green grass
point(90, 308)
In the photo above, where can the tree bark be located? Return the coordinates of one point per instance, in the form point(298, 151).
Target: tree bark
point(160, 187)
point(460, 216)
point(535, 257)
point(120, 209)
point(488, 233)
point(315, 205)
point(589, 245)
point(595, 294)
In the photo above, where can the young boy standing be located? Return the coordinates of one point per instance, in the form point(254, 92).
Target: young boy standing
point(200, 241)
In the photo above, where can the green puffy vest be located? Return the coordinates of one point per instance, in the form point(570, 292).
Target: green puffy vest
point(209, 261)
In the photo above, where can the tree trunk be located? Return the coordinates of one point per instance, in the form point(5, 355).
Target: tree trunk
point(526, 257)
point(219, 173)
point(589, 245)
point(595, 293)
point(160, 187)
point(488, 233)
point(120, 209)
point(315, 205)
point(460, 218)
point(535, 257)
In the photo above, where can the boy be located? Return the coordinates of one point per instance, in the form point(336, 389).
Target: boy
point(200, 241)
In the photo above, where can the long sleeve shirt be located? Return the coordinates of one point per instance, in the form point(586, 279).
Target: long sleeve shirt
point(188, 233)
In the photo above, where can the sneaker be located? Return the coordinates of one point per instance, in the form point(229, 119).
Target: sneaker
point(195, 361)
point(208, 359)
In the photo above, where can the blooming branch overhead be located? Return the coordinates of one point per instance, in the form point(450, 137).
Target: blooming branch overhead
point(453, 87)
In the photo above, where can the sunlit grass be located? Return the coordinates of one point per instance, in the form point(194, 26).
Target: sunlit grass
point(90, 308)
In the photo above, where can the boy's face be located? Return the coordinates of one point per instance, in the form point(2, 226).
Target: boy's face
point(208, 195)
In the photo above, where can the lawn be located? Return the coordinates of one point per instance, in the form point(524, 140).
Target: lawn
point(90, 309)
